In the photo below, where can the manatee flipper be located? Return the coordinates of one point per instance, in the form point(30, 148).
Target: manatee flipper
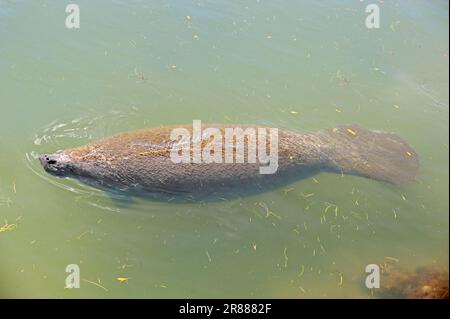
point(377, 155)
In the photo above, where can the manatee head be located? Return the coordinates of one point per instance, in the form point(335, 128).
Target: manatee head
point(58, 164)
point(92, 172)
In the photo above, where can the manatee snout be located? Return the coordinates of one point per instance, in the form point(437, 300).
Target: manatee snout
point(56, 164)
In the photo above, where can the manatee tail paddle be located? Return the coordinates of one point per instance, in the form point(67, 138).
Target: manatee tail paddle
point(377, 155)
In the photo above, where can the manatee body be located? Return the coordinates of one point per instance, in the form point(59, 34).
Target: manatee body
point(140, 161)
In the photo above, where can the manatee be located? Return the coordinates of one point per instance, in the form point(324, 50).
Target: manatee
point(139, 162)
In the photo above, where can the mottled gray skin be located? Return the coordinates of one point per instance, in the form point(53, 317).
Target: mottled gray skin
point(139, 161)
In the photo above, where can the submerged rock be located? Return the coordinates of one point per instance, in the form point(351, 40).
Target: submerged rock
point(422, 283)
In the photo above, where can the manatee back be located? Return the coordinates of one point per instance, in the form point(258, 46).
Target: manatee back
point(142, 160)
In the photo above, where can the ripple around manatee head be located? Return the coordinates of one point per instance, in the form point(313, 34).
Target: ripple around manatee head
point(63, 134)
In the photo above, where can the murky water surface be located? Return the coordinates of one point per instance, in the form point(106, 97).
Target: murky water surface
point(303, 65)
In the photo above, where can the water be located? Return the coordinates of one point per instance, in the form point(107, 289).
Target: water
point(304, 66)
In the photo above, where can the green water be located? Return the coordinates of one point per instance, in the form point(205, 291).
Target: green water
point(302, 65)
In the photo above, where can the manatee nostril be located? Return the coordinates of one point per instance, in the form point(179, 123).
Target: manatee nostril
point(51, 162)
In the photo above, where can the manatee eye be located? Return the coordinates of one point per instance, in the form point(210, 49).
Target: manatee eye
point(51, 162)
